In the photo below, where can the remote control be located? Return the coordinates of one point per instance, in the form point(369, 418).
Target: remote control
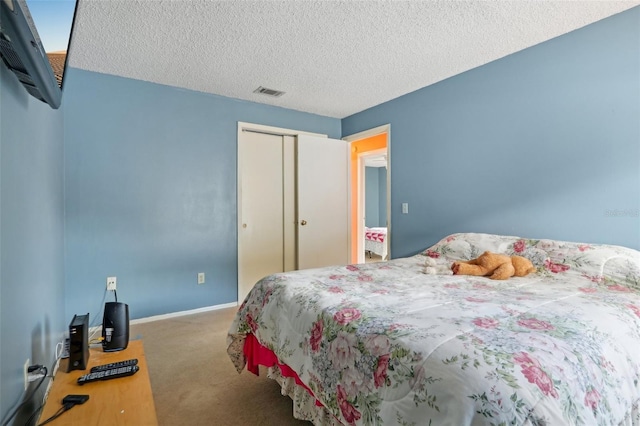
point(113, 365)
point(108, 374)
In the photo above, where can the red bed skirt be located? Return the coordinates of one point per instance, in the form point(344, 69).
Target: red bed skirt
point(256, 355)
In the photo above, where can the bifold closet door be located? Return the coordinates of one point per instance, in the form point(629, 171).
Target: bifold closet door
point(261, 205)
point(292, 205)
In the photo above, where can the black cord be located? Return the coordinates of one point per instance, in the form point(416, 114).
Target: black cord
point(97, 317)
point(34, 414)
point(30, 419)
point(28, 398)
point(37, 411)
point(116, 294)
point(65, 407)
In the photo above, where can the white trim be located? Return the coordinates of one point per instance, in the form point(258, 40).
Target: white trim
point(98, 328)
point(183, 313)
point(385, 128)
point(273, 130)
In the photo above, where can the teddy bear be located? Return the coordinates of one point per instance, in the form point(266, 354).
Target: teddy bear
point(495, 266)
point(432, 267)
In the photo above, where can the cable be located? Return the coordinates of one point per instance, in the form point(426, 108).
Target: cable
point(65, 407)
point(93, 325)
point(68, 403)
point(59, 354)
point(34, 414)
point(37, 410)
point(104, 297)
point(28, 398)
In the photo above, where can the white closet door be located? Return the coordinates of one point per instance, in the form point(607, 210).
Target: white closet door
point(322, 201)
point(261, 198)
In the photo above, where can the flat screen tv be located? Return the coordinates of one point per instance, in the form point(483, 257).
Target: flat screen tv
point(22, 50)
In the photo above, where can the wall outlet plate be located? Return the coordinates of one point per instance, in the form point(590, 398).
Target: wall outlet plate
point(200, 277)
point(111, 283)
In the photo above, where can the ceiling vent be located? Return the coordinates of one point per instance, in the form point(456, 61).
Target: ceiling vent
point(269, 92)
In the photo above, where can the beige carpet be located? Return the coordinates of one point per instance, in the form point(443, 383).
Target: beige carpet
point(194, 381)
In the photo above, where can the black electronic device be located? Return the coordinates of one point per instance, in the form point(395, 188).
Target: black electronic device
point(115, 326)
point(75, 399)
point(111, 366)
point(108, 374)
point(23, 53)
point(78, 343)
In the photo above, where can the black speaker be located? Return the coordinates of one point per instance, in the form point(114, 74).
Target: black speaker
point(78, 342)
point(115, 326)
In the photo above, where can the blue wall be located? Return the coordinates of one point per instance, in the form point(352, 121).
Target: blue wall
point(32, 317)
point(544, 143)
point(375, 197)
point(151, 191)
point(382, 196)
point(371, 197)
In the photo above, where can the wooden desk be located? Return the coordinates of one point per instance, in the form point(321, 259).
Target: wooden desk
point(122, 401)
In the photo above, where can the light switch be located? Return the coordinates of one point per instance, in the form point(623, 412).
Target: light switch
point(405, 208)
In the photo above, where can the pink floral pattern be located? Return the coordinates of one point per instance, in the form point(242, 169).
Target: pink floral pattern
point(432, 254)
point(535, 324)
point(346, 315)
point(380, 375)
point(635, 309)
point(485, 322)
point(348, 411)
point(542, 349)
point(618, 287)
point(519, 246)
point(591, 399)
point(555, 267)
point(316, 335)
point(534, 373)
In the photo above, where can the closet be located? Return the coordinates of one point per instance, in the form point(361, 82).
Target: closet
point(292, 202)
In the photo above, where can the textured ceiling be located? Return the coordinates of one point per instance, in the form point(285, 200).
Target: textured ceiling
point(332, 58)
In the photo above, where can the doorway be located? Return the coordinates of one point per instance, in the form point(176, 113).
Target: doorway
point(365, 146)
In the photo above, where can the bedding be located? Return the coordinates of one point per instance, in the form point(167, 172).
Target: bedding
point(385, 343)
point(375, 241)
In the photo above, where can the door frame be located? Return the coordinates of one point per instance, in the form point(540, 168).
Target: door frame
point(386, 129)
point(257, 128)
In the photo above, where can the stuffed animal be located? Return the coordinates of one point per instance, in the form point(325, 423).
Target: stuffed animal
point(432, 267)
point(495, 266)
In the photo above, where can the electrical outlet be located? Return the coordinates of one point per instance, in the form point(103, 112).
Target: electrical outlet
point(111, 283)
point(200, 277)
point(26, 374)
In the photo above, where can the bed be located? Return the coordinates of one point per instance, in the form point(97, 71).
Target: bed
point(385, 343)
point(375, 241)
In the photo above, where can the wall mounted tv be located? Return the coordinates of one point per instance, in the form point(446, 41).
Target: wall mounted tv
point(23, 52)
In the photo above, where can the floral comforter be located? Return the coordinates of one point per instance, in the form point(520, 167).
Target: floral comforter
point(385, 343)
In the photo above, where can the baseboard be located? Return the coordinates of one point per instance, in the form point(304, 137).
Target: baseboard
point(183, 313)
point(98, 328)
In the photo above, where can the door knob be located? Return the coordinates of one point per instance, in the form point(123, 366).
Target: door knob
point(303, 222)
